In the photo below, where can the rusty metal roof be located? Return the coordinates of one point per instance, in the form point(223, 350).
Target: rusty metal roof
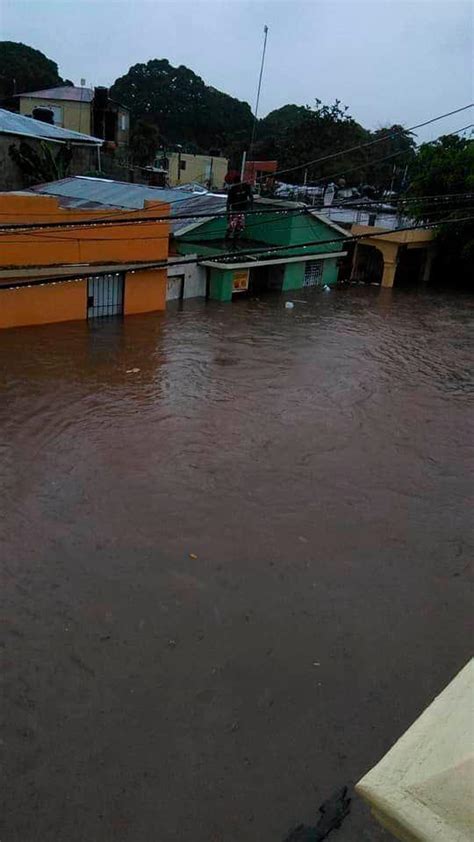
point(18, 124)
point(63, 92)
point(84, 191)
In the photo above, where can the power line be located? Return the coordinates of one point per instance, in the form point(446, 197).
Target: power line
point(237, 258)
point(369, 164)
point(46, 237)
point(388, 136)
point(427, 202)
point(107, 221)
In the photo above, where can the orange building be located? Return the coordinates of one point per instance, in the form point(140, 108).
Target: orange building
point(86, 271)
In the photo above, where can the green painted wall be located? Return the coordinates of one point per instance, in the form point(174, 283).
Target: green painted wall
point(294, 228)
point(221, 284)
point(293, 277)
point(330, 271)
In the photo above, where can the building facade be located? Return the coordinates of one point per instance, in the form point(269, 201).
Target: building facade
point(184, 168)
point(80, 109)
point(86, 272)
point(283, 248)
point(33, 137)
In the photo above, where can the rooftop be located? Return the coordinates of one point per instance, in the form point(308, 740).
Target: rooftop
point(17, 124)
point(83, 191)
point(65, 92)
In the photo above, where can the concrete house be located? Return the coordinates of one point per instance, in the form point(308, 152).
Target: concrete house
point(88, 110)
point(85, 271)
point(284, 247)
point(183, 168)
point(15, 129)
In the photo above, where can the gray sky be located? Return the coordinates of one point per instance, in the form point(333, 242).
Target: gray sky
point(388, 60)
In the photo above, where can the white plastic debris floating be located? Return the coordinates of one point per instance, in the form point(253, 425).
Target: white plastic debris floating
point(289, 305)
point(326, 288)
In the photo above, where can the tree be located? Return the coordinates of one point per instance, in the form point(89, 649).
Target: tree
point(23, 68)
point(43, 163)
point(184, 108)
point(144, 143)
point(314, 133)
point(445, 170)
point(389, 158)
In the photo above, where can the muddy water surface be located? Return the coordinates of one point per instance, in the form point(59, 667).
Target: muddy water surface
point(229, 580)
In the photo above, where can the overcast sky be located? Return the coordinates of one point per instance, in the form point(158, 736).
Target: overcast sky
point(390, 61)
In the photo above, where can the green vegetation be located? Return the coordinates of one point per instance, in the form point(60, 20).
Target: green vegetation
point(41, 164)
point(184, 109)
point(446, 169)
point(144, 143)
point(24, 69)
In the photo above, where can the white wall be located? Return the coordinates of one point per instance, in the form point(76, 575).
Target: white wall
point(194, 279)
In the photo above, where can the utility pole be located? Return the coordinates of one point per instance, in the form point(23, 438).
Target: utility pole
point(242, 168)
point(255, 116)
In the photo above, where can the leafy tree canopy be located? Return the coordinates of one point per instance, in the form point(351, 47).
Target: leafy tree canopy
point(181, 105)
point(446, 169)
point(144, 143)
point(23, 68)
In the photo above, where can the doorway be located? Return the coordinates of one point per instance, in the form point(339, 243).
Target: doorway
point(266, 279)
point(105, 294)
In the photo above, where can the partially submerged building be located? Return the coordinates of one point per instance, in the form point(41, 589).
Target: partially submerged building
point(84, 269)
point(393, 257)
point(283, 247)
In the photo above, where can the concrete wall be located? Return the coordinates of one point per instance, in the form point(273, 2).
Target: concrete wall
point(197, 169)
point(294, 276)
point(84, 159)
point(118, 243)
point(145, 291)
point(330, 271)
point(64, 301)
point(76, 116)
point(194, 285)
point(61, 302)
point(220, 284)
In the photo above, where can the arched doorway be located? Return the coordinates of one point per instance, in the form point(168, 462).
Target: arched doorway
point(368, 265)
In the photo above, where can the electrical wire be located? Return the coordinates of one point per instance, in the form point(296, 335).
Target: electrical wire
point(44, 236)
point(236, 258)
point(369, 164)
point(387, 136)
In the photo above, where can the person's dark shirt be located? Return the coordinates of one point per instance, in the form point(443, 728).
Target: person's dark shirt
point(239, 197)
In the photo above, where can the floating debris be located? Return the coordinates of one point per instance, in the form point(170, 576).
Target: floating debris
point(333, 812)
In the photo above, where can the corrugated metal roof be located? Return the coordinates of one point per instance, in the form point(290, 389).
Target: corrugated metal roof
point(84, 191)
point(64, 92)
point(17, 124)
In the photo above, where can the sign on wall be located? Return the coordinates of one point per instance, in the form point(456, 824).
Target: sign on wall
point(240, 281)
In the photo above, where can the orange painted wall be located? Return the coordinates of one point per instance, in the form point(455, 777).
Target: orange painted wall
point(60, 302)
point(50, 247)
point(145, 291)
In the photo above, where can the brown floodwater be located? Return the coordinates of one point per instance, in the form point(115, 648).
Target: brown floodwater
point(231, 579)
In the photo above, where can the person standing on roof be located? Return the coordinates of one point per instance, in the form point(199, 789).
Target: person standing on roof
point(239, 200)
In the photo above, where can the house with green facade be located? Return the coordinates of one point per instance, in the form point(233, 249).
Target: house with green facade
point(285, 246)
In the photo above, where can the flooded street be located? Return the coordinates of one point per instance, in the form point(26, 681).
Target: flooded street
point(232, 579)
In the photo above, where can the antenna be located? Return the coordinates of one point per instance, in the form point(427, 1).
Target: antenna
point(265, 35)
